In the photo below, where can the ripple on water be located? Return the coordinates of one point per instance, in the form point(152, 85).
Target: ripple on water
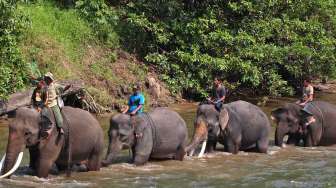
point(33, 181)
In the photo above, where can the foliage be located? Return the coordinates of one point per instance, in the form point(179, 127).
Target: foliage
point(63, 26)
point(268, 46)
point(13, 70)
point(102, 18)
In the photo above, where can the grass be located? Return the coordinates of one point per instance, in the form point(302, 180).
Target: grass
point(57, 32)
point(59, 41)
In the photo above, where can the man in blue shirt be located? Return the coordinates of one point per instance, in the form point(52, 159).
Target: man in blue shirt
point(136, 102)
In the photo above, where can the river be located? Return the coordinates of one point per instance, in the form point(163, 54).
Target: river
point(286, 167)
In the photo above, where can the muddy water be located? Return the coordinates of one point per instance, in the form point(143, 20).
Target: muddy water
point(288, 167)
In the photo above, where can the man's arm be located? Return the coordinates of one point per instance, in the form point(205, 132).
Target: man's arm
point(60, 89)
point(309, 98)
point(136, 110)
point(67, 87)
point(220, 100)
point(141, 103)
point(223, 93)
point(126, 109)
point(46, 98)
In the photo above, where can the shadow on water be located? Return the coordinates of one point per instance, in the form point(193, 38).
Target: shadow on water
point(289, 167)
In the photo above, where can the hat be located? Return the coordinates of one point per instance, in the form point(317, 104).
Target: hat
point(49, 75)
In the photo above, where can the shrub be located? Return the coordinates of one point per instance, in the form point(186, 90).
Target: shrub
point(13, 70)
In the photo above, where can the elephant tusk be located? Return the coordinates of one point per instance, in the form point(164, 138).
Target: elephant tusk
point(15, 167)
point(191, 153)
point(203, 149)
point(2, 160)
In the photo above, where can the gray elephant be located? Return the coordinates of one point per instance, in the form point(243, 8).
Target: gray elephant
point(85, 136)
point(159, 134)
point(238, 126)
point(293, 120)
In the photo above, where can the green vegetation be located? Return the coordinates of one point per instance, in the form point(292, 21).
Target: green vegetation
point(265, 46)
point(13, 70)
point(64, 42)
point(268, 46)
point(57, 38)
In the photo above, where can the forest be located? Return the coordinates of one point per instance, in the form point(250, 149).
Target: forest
point(267, 46)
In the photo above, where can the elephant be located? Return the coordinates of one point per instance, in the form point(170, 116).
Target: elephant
point(293, 120)
point(238, 126)
point(158, 134)
point(83, 133)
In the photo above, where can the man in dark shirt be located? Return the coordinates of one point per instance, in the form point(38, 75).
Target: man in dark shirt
point(219, 93)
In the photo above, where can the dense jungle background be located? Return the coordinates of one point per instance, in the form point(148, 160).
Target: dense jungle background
point(264, 47)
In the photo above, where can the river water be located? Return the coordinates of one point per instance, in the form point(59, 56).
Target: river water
point(286, 167)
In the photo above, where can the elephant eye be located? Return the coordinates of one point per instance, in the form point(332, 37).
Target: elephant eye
point(27, 133)
point(123, 138)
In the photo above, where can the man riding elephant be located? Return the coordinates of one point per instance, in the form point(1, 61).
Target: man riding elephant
point(307, 93)
point(314, 124)
point(52, 91)
point(218, 95)
point(158, 134)
point(136, 102)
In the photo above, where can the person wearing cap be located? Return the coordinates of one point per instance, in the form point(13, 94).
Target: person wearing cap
point(307, 93)
point(218, 95)
point(50, 99)
point(136, 102)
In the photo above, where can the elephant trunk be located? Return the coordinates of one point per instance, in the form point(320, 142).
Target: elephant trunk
point(279, 136)
point(14, 148)
point(114, 148)
point(200, 134)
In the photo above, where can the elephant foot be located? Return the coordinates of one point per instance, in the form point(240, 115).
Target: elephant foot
point(54, 170)
point(140, 160)
point(79, 168)
point(180, 154)
point(105, 163)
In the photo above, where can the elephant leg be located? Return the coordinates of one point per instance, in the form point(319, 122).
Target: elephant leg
point(313, 136)
point(292, 140)
point(48, 154)
point(180, 153)
point(34, 153)
point(231, 146)
point(308, 140)
point(140, 159)
point(262, 145)
point(94, 162)
point(44, 167)
point(133, 154)
point(211, 146)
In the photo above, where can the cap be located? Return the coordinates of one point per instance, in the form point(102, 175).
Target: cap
point(49, 75)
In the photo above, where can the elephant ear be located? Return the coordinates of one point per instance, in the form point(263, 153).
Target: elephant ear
point(276, 112)
point(144, 143)
point(223, 118)
point(292, 118)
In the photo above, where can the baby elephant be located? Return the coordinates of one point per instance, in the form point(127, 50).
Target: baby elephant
point(159, 134)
